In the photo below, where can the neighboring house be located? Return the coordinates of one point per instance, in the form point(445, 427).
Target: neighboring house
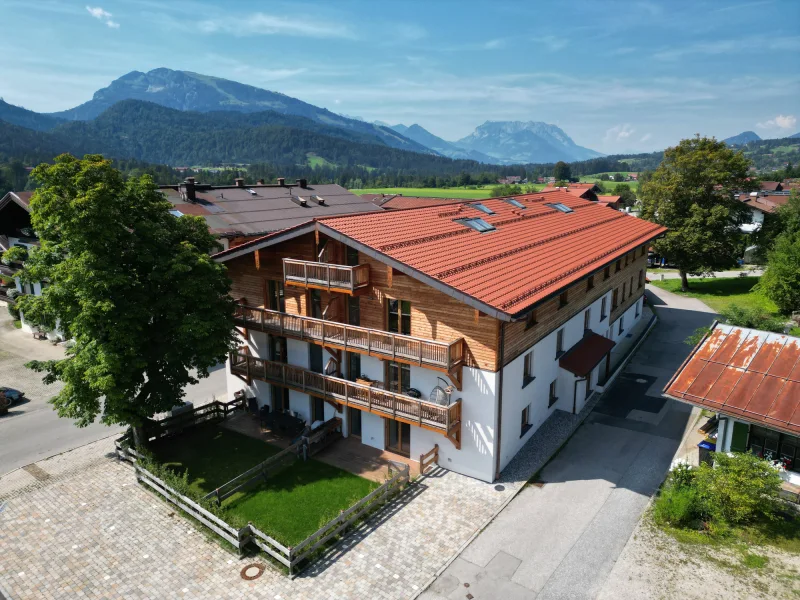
point(610, 202)
point(760, 206)
point(16, 230)
point(751, 379)
point(241, 212)
point(771, 186)
point(510, 180)
point(633, 176)
point(464, 326)
point(587, 191)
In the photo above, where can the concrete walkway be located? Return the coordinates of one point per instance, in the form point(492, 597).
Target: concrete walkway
point(560, 537)
point(656, 274)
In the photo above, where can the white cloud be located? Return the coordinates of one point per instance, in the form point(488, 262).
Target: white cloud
point(619, 133)
point(494, 44)
point(780, 122)
point(732, 46)
point(409, 32)
point(552, 43)
point(264, 24)
point(102, 15)
point(645, 137)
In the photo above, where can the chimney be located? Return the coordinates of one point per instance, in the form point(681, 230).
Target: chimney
point(260, 182)
point(302, 183)
point(281, 181)
point(239, 182)
point(188, 186)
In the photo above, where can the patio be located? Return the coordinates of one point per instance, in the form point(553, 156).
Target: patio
point(348, 454)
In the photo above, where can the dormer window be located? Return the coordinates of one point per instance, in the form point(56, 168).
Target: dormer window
point(515, 202)
point(477, 224)
point(560, 207)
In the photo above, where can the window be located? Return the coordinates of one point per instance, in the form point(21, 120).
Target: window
point(315, 358)
point(630, 286)
point(482, 208)
point(477, 224)
point(525, 426)
point(621, 325)
point(530, 320)
point(637, 309)
point(603, 313)
point(606, 273)
point(624, 289)
point(590, 282)
point(316, 303)
point(563, 300)
point(560, 343)
point(317, 409)
point(353, 366)
point(559, 207)
point(527, 373)
point(276, 298)
point(553, 398)
point(353, 310)
point(517, 203)
point(618, 266)
point(399, 316)
point(641, 278)
point(399, 377)
point(352, 256)
point(587, 318)
point(615, 299)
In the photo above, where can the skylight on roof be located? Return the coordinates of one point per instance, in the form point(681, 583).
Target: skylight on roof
point(477, 224)
point(515, 202)
point(482, 208)
point(561, 207)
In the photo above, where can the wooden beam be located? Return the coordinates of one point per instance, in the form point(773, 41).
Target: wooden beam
point(456, 376)
point(389, 275)
point(257, 255)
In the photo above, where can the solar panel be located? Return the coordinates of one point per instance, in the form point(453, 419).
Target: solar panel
point(560, 207)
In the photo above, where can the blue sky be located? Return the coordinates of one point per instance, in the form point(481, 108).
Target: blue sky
point(616, 76)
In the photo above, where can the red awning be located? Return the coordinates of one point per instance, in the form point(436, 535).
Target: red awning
point(586, 354)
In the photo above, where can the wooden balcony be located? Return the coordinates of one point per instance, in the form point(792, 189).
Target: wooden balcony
point(420, 413)
point(373, 342)
point(326, 276)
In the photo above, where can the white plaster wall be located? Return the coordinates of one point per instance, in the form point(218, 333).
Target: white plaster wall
point(372, 367)
point(297, 353)
point(630, 320)
point(478, 416)
point(372, 430)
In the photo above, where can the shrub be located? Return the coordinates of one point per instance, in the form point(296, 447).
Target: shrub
point(739, 488)
point(754, 318)
point(682, 475)
point(677, 506)
point(781, 281)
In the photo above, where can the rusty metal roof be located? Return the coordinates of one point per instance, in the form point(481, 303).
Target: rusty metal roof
point(745, 373)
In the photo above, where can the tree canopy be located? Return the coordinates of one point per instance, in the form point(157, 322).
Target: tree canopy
point(561, 171)
point(133, 287)
point(692, 193)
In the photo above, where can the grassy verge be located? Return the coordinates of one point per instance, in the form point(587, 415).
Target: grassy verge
point(289, 506)
point(17, 324)
point(720, 293)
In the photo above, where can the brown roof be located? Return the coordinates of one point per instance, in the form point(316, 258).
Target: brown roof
point(399, 202)
point(586, 354)
point(768, 204)
point(771, 186)
point(745, 373)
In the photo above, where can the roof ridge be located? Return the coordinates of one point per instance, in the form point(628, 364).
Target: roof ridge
point(532, 291)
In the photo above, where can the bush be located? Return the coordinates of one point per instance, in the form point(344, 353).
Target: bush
point(682, 475)
point(739, 488)
point(677, 506)
point(781, 281)
point(752, 317)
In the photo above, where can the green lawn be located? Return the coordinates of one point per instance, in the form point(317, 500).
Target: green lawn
point(609, 185)
point(289, 506)
point(471, 193)
point(720, 293)
point(317, 161)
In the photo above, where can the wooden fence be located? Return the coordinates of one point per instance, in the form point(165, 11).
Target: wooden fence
point(431, 457)
point(213, 411)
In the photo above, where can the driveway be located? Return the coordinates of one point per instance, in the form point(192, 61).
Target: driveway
point(560, 537)
point(32, 430)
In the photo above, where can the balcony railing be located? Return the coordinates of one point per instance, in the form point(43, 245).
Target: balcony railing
point(436, 417)
point(390, 346)
point(338, 278)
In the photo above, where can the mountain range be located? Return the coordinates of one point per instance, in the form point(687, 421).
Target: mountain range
point(742, 138)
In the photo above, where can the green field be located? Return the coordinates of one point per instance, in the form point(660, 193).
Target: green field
point(609, 185)
point(317, 161)
point(470, 193)
point(720, 293)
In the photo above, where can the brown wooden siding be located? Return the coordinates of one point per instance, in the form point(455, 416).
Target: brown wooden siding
point(549, 316)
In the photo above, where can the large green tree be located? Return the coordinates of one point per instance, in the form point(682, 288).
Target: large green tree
point(561, 171)
point(133, 287)
point(692, 193)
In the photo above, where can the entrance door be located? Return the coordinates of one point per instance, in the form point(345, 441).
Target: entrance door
point(354, 418)
point(398, 437)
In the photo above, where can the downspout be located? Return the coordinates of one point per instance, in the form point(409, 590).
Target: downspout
point(499, 427)
point(575, 393)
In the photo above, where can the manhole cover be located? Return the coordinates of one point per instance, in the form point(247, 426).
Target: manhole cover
point(252, 571)
point(499, 487)
point(641, 381)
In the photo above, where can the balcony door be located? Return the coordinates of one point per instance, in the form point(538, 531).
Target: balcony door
point(278, 353)
point(398, 437)
point(277, 301)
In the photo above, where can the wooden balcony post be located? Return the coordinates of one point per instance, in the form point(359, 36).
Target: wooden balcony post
point(262, 313)
point(302, 328)
point(369, 341)
point(394, 344)
point(305, 273)
point(328, 276)
point(281, 317)
point(420, 353)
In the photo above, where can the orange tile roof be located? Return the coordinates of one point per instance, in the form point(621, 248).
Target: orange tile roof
point(745, 373)
point(532, 253)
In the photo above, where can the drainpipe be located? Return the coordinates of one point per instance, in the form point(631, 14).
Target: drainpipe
point(575, 394)
point(499, 427)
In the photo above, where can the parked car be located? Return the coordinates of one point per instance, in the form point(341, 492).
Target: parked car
point(11, 395)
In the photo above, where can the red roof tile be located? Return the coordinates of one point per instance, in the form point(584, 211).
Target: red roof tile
point(532, 253)
point(744, 373)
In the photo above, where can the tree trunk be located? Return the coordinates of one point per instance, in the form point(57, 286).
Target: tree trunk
point(139, 439)
point(684, 281)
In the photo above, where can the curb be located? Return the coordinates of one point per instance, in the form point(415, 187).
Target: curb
point(578, 423)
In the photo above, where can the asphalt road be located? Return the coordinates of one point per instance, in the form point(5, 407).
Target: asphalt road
point(561, 538)
point(32, 430)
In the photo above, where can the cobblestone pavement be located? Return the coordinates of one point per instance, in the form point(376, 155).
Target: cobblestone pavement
point(80, 527)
